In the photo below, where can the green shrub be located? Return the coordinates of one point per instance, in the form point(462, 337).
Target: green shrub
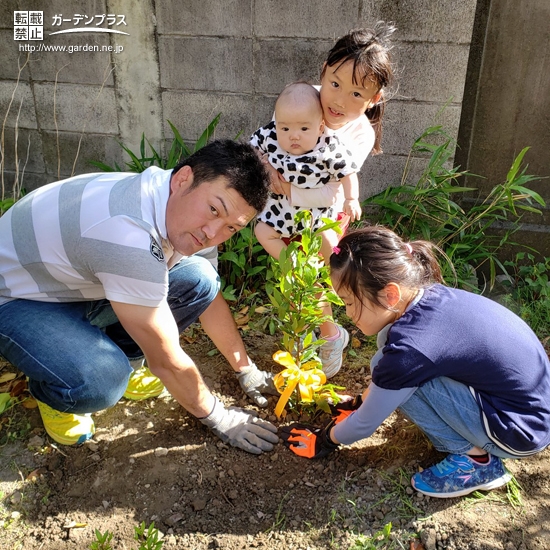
point(243, 267)
point(148, 156)
point(430, 209)
point(298, 286)
point(530, 291)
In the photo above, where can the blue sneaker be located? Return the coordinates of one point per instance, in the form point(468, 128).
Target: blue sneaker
point(459, 475)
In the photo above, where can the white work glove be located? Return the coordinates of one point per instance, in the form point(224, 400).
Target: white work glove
point(254, 382)
point(241, 429)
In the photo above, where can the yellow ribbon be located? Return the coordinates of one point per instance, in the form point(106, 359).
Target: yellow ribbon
point(309, 379)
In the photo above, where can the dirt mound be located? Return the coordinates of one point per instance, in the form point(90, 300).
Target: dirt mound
point(152, 462)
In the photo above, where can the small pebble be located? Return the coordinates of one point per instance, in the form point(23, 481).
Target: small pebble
point(36, 441)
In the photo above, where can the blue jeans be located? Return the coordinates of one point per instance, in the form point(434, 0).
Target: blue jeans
point(448, 414)
point(76, 354)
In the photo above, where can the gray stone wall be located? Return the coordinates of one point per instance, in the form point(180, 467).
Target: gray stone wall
point(185, 61)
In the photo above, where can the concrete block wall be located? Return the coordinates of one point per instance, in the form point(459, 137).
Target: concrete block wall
point(68, 104)
point(187, 61)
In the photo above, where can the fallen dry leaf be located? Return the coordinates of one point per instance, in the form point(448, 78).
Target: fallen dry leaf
point(18, 388)
point(415, 545)
point(7, 377)
point(29, 403)
point(355, 343)
point(242, 320)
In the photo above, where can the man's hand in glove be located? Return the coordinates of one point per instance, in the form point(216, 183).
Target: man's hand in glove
point(308, 441)
point(241, 429)
point(254, 382)
point(344, 408)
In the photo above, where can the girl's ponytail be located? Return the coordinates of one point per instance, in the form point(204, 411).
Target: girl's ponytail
point(375, 114)
point(423, 253)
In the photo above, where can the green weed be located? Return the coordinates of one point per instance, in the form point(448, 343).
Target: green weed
point(14, 426)
point(103, 541)
point(280, 517)
point(243, 267)
point(6, 204)
point(381, 540)
point(431, 209)
point(513, 493)
point(529, 289)
point(512, 496)
point(148, 537)
point(46, 497)
point(404, 503)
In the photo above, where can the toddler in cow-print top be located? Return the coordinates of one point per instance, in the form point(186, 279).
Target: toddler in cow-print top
point(299, 147)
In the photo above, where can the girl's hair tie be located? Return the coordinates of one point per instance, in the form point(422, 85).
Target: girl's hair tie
point(336, 250)
point(409, 248)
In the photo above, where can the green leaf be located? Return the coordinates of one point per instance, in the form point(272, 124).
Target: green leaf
point(5, 402)
point(208, 132)
point(101, 165)
point(516, 165)
point(186, 151)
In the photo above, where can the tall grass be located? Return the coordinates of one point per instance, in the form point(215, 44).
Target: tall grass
point(11, 193)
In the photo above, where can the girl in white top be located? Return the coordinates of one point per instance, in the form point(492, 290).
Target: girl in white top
point(353, 78)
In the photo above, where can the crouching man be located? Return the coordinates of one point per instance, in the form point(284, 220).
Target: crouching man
point(97, 273)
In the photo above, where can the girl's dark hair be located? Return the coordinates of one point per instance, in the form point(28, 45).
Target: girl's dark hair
point(367, 259)
point(369, 50)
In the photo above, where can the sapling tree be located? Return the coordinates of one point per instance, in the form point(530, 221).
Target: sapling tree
point(298, 288)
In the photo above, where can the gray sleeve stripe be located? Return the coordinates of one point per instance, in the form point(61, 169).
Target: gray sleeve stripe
point(134, 263)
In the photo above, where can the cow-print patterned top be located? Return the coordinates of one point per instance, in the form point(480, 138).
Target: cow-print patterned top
point(329, 160)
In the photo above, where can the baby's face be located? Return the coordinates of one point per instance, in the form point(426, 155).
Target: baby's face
point(298, 129)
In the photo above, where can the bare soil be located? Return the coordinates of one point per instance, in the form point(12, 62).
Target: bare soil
point(152, 462)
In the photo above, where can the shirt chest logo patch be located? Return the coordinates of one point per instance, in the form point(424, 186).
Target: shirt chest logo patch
point(156, 250)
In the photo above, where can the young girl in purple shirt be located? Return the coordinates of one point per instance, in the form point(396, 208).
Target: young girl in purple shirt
point(469, 372)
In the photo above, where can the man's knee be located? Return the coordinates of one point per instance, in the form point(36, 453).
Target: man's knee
point(84, 387)
point(193, 279)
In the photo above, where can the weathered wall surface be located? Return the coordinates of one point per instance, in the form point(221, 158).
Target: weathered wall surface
point(189, 60)
point(507, 102)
